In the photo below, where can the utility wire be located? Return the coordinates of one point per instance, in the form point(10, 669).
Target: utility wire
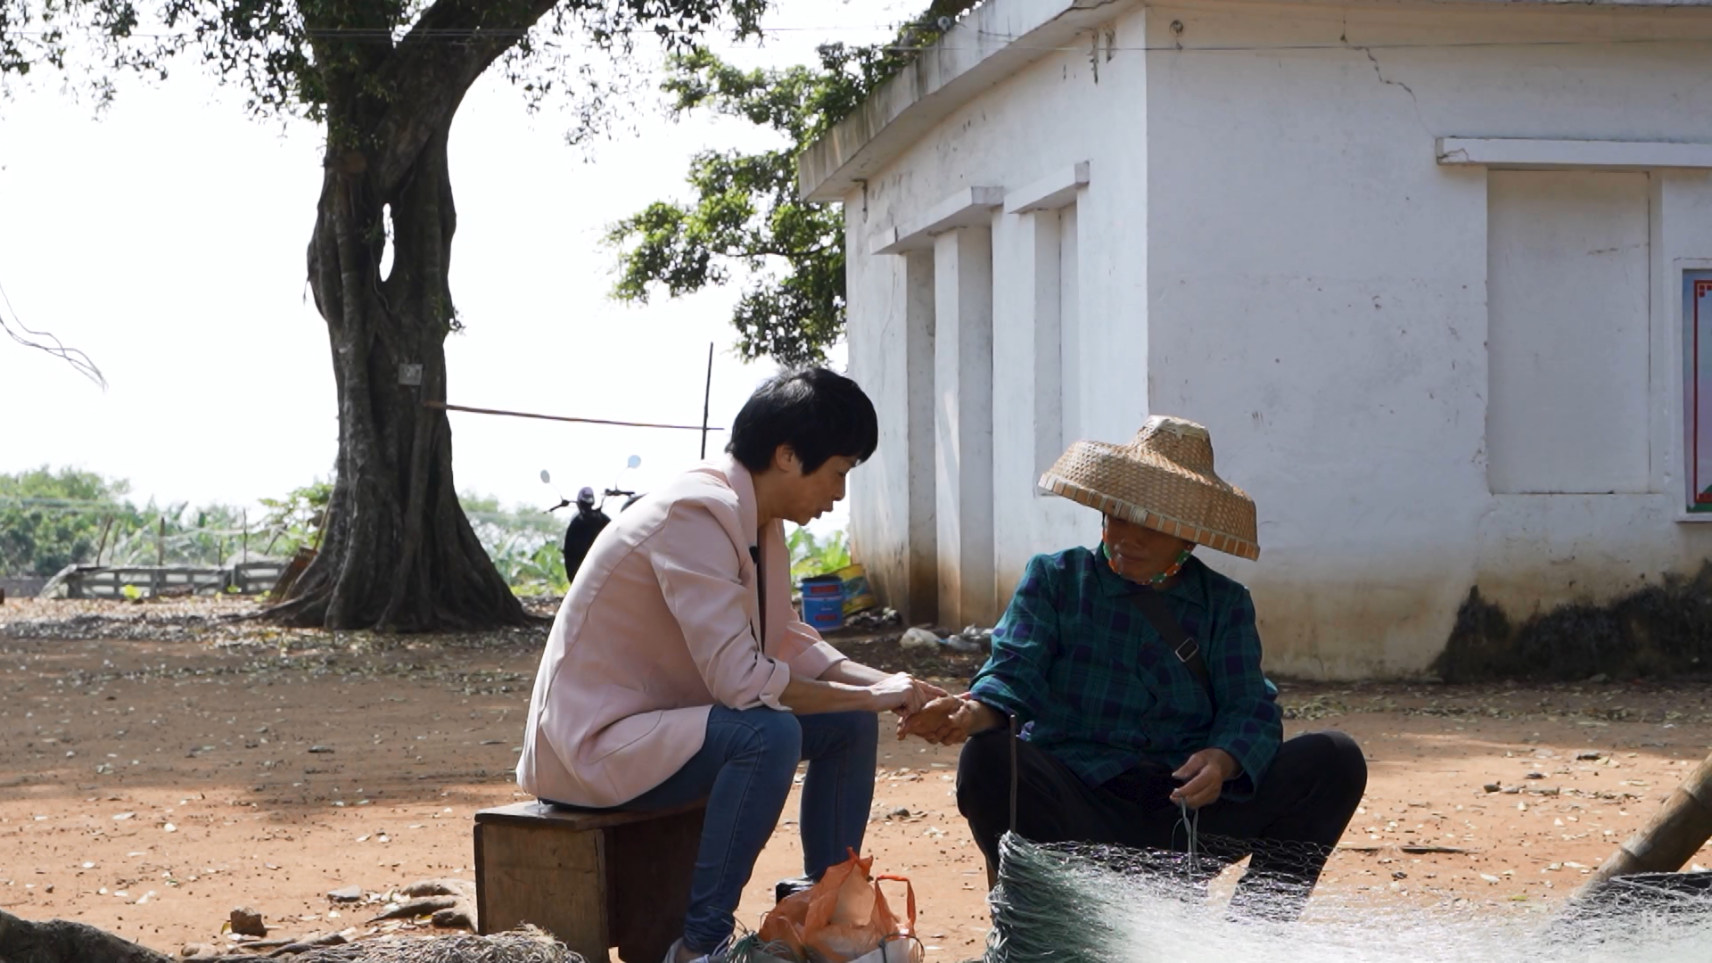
point(442, 406)
point(92, 503)
point(146, 519)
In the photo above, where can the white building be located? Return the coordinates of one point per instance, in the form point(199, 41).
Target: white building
point(1425, 270)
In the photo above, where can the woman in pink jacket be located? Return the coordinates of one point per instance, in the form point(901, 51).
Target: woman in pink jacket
point(677, 670)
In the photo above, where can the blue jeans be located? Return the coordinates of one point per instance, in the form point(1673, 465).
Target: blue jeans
point(745, 769)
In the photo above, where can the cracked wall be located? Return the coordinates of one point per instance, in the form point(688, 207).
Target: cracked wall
point(1318, 296)
point(1269, 245)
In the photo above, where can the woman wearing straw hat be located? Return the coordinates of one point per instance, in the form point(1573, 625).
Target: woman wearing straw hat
point(1134, 672)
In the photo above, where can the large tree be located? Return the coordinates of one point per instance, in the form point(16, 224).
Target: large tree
point(384, 78)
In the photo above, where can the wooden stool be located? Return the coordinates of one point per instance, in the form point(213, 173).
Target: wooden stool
point(593, 879)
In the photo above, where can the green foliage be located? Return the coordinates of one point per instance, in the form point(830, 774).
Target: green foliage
point(810, 556)
point(745, 213)
point(523, 542)
point(294, 522)
point(50, 519)
point(316, 58)
point(180, 534)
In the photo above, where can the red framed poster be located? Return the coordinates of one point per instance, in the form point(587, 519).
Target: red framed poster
point(1697, 315)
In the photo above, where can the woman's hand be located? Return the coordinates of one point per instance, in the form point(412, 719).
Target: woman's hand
point(899, 692)
point(929, 691)
point(1204, 776)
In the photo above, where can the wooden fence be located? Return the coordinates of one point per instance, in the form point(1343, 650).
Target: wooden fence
point(21, 586)
point(112, 582)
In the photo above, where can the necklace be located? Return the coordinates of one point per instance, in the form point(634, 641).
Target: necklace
point(1170, 570)
point(1160, 578)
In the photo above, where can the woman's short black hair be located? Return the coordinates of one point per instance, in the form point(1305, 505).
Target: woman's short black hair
point(819, 413)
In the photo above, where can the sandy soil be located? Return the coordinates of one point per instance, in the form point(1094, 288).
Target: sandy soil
point(155, 774)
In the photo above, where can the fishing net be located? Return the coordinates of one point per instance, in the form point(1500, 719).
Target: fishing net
point(1081, 903)
point(527, 945)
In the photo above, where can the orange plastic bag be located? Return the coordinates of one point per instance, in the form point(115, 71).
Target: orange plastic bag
point(843, 918)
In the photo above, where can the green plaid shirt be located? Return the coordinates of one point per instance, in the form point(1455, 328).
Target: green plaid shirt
point(1078, 663)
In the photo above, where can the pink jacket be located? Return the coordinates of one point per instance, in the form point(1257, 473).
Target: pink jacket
point(660, 626)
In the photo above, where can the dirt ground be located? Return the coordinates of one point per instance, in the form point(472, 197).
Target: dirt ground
point(160, 765)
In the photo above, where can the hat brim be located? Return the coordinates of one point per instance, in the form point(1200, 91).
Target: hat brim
point(1157, 494)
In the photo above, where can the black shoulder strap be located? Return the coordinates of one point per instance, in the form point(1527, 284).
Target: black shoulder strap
point(1188, 651)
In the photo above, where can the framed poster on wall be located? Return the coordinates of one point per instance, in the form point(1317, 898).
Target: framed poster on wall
point(1697, 325)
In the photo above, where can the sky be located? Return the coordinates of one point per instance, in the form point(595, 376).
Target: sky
point(166, 237)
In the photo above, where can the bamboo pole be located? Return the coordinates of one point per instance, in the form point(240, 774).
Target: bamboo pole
point(1669, 839)
point(706, 400)
point(101, 547)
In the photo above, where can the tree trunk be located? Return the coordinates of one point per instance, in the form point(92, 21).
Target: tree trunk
point(397, 553)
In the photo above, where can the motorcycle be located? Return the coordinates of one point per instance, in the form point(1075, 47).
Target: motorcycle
point(584, 528)
point(630, 497)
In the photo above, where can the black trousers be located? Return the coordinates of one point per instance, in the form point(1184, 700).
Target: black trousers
point(1287, 829)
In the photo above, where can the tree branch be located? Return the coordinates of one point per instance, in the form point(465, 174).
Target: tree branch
point(433, 67)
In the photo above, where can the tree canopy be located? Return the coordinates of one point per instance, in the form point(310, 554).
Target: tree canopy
point(50, 519)
point(299, 57)
point(744, 211)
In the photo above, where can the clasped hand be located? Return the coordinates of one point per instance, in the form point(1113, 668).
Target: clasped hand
point(945, 721)
point(903, 694)
point(949, 720)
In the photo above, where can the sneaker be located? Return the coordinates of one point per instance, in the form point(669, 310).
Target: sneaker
point(791, 887)
point(717, 956)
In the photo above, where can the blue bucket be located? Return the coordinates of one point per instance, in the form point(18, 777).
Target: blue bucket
point(823, 601)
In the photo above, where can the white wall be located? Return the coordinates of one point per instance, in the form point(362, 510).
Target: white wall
point(1046, 118)
point(1317, 295)
point(963, 422)
point(1567, 300)
point(1268, 245)
point(883, 350)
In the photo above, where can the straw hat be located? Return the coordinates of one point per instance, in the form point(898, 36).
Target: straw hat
point(1164, 479)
